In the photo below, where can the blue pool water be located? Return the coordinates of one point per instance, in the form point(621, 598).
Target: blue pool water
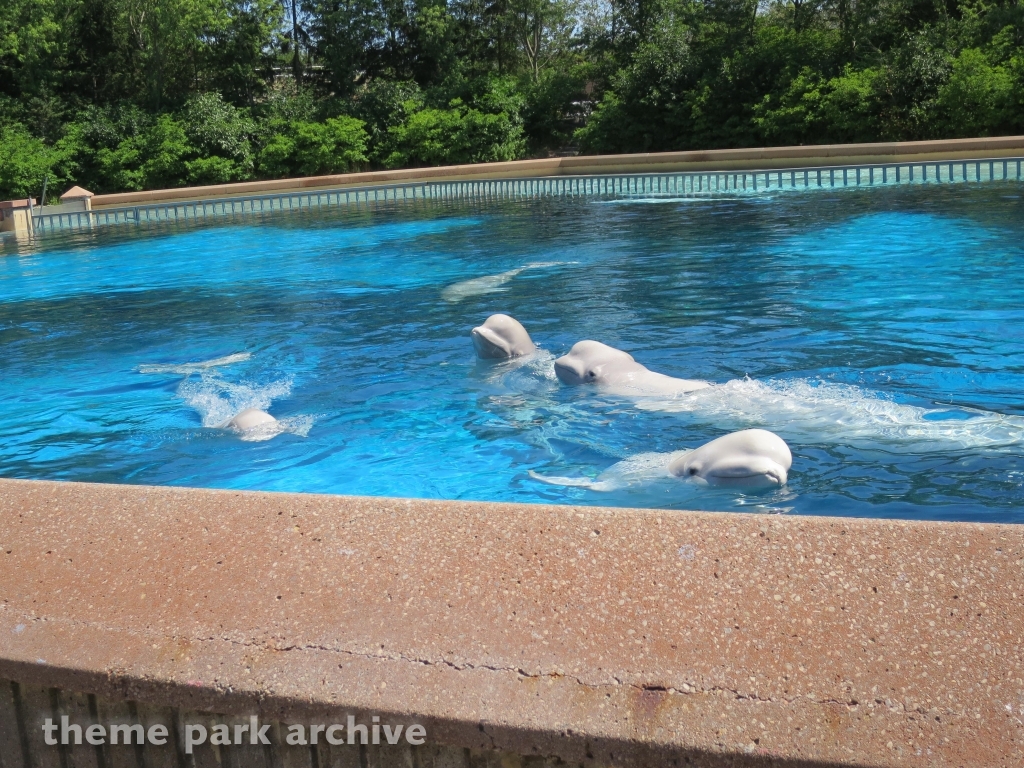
point(878, 331)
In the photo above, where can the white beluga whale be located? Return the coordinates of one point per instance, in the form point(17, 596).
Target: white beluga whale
point(236, 407)
point(591, 362)
point(250, 418)
point(479, 286)
point(501, 337)
point(752, 459)
point(184, 369)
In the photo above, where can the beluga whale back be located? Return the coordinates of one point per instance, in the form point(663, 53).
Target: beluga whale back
point(248, 419)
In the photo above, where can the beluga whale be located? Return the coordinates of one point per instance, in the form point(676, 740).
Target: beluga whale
point(502, 337)
point(752, 459)
point(611, 369)
point(478, 286)
point(250, 418)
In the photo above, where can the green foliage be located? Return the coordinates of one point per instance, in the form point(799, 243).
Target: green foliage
point(979, 98)
point(384, 105)
point(337, 145)
point(455, 136)
point(135, 94)
point(223, 137)
point(838, 110)
point(25, 161)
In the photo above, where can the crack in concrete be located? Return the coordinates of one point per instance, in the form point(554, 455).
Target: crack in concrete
point(696, 689)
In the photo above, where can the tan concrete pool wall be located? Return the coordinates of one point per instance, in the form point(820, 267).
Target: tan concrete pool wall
point(516, 634)
point(660, 162)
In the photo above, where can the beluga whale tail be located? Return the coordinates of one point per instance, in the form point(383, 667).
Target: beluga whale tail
point(752, 459)
point(611, 369)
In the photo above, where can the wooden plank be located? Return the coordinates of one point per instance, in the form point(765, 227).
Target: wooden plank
point(203, 755)
point(340, 756)
point(245, 754)
point(391, 755)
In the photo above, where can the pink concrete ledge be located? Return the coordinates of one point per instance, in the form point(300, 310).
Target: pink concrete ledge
point(663, 162)
point(604, 637)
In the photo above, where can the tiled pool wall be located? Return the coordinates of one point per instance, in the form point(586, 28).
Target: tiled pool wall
point(684, 184)
point(685, 174)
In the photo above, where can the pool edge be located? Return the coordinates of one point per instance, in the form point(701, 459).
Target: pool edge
point(902, 638)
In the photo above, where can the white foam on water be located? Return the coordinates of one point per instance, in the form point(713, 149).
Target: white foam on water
point(814, 411)
point(184, 369)
point(525, 372)
point(218, 400)
point(696, 199)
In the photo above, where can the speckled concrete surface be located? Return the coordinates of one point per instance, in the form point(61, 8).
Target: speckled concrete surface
point(626, 637)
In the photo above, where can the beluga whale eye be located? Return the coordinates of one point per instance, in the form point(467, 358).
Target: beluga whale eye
point(693, 470)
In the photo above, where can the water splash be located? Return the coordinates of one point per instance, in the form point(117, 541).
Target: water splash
point(813, 411)
point(638, 470)
point(218, 400)
point(296, 425)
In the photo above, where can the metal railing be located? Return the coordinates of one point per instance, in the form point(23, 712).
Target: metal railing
point(683, 184)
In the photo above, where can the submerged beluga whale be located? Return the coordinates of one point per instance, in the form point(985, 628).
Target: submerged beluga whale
point(591, 362)
point(752, 459)
point(479, 286)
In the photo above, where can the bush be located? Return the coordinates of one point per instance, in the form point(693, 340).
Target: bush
point(25, 161)
point(840, 110)
point(337, 145)
point(455, 136)
point(978, 99)
point(222, 136)
point(383, 105)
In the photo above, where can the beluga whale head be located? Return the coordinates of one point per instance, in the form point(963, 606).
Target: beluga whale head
point(751, 458)
point(248, 419)
point(591, 362)
point(502, 337)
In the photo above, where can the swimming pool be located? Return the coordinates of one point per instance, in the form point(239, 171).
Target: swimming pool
point(877, 330)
